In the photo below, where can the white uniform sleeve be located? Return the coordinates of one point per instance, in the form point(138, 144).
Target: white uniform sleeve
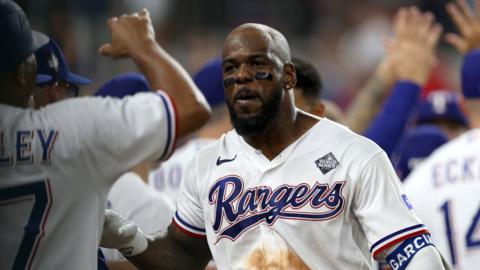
point(116, 134)
point(189, 216)
point(427, 258)
point(381, 206)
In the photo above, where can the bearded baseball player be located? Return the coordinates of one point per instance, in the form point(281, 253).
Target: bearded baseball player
point(57, 164)
point(451, 176)
point(284, 189)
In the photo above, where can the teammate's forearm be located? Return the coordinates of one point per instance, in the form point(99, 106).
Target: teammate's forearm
point(164, 253)
point(164, 72)
point(120, 265)
point(366, 104)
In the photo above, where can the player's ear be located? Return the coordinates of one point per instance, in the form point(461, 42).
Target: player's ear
point(53, 92)
point(20, 75)
point(289, 76)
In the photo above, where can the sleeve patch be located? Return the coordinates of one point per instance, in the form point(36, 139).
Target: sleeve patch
point(399, 258)
point(407, 202)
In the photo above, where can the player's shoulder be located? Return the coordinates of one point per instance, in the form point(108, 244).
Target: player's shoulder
point(99, 110)
point(467, 142)
point(12, 115)
point(342, 138)
point(212, 149)
point(464, 145)
point(48, 117)
point(63, 111)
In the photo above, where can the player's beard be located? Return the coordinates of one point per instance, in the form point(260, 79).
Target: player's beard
point(256, 125)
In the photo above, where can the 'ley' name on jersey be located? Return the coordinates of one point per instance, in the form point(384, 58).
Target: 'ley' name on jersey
point(21, 152)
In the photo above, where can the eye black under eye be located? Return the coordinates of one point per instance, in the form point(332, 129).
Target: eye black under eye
point(228, 82)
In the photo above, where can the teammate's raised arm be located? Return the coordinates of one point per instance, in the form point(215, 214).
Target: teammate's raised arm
point(409, 57)
point(133, 36)
point(411, 54)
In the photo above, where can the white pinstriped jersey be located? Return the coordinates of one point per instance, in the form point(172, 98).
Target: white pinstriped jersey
point(328, 201)
point(445, 192)
point(57, 165)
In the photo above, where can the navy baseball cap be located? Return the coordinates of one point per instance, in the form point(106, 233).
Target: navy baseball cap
point(51, 62)
point(209, 79)
point(18, 40)
point(442, 105)
point(126, 84)
point(416, 145)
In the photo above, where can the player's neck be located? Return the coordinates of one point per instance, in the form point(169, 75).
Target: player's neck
point(473, 108)
point(475, 121)
point(284, 130)
point(11, 94)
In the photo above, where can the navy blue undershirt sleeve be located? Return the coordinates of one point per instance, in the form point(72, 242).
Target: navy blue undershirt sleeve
point(471, 74)
point(389, 125)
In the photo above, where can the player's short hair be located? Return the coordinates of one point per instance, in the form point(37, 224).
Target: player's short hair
point(308, 79)
point(277, 41)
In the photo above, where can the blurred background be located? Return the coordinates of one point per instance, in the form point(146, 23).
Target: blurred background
point(343, 39)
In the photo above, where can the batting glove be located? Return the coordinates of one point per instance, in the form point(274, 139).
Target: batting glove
point(122, 234)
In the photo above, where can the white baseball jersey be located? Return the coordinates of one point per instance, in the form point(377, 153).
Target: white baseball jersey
point(166, 179)
point(327, 201)
point(57, 165)
point(136, 201)
point(445, 192)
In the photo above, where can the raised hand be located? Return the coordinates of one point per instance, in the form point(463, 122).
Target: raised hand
point(467, 20)
point(130, 35)
point(412, 51)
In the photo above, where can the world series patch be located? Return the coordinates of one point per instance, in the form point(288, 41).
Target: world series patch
point(327, 163)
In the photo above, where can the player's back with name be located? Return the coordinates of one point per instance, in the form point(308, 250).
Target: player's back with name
point(459, 163)
point(37, 183)
point(444, 192)
point(57, 165)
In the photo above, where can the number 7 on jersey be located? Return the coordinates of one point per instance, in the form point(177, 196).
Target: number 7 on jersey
point(39, 193)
